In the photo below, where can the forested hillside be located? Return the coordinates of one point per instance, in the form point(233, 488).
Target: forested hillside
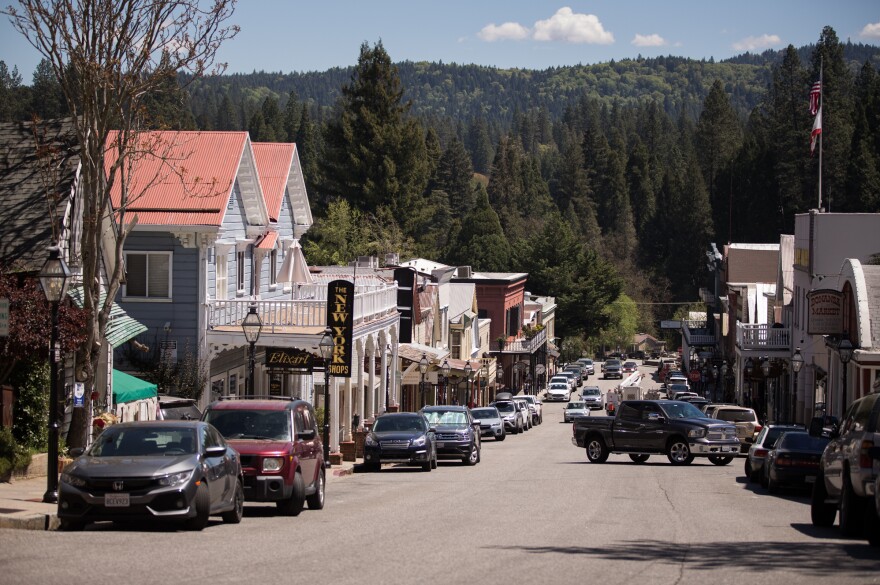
point(606, 183)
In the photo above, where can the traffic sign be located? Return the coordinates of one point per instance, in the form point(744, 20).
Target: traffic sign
point(670, 324)
point(694, 375)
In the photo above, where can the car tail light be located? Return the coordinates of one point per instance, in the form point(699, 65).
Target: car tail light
point(865, 459)
point(760, 452)
point(758, 428)
point(784, 461)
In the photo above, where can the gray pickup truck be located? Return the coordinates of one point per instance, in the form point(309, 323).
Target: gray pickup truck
point(642, 428)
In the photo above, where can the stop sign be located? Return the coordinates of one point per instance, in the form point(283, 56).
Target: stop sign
point(694, 375)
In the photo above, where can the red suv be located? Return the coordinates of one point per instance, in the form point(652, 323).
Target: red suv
point(281, 451)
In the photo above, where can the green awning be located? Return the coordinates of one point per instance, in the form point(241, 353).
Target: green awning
point(120, 326)
point(127, 388)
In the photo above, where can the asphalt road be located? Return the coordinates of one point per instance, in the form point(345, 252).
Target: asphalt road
point(533, 511)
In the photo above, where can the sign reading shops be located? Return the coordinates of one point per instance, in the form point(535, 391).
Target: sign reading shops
point(826, 312)
point(285, 358)
point(340, 319)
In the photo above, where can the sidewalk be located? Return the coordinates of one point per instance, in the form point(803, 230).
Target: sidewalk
point(21, 500)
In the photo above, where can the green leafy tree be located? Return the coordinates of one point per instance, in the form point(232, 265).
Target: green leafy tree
point(623, 320)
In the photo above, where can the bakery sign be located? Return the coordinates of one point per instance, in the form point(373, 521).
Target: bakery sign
point(825, 312)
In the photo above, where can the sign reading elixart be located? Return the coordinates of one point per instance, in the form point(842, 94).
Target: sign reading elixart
point(285, 358)
point(340, 319)
point(826, 312)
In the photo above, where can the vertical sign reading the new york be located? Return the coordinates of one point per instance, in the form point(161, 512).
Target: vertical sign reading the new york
point(340, 319)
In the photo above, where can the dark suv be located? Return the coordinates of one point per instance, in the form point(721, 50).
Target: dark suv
point(456, 435)
point(281, 451)
point(846, 479)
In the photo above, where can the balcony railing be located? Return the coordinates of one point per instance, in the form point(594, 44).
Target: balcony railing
point(309, 309)
point(527, 345)
point(697, 333)
point(762, 336)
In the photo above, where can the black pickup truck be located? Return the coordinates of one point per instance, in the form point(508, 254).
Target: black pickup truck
point(643, 428)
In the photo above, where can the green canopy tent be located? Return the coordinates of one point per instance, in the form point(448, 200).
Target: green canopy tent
point(127, 388)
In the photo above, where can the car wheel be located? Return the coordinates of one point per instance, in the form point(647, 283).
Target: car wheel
point(316, 500)
point(519, 428)
point(70, 525)
point(473, 457)
point(639, 458)
point(851, 508)
point(501, 437)
point(719, 460)
point(234, 515)
point(772, 484)
point(597, 451)
point(202, 505)
point(821, 512)
point(434, 461)
point(679, 452)
point(763, 474)
point(748, 470)
point(293, 505)
point(426, 466)
point(373, 466)
point(872, 526)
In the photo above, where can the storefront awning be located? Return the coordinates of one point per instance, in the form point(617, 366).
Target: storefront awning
point(120, 326)
point(127, 388)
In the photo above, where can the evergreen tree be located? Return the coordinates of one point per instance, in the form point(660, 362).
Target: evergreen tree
point(375, 154)
point(455, 177)
point(719, 137)
point(481, 242)
point(168, 107)
point(309, 147)
point(227, 115)
point(273, 129)
point(48, 98)
point(290, 118)
point(863, 175)
point(479, 144)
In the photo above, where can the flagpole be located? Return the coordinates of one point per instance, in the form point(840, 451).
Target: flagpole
point(821, 92)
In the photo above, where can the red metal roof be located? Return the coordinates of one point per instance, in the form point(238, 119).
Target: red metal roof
point(267, 242)
point(274, 162)
point(185, 179)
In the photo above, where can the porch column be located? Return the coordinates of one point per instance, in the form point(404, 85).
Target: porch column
point(359, 388)
point(384, 383)
point(371, 384)
point(347, 408)
point(335, 420)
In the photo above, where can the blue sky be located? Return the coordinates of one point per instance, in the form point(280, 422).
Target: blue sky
point(291, 35)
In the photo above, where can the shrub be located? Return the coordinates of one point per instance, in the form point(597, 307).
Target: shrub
point(31, 412)
point(13, 457)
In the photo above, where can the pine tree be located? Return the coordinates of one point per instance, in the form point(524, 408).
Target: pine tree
point(479, 144)
point(47, 97)
point(455, 177)
point(719, 137)
point(481, 243)
point(290, 118)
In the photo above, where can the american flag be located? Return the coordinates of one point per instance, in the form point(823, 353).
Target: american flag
point(815, 95)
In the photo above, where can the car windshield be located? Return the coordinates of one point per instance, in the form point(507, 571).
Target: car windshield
point(591, 392)
point(484, 413)
point(506, 407)
point(683, 410)
point(558, 386)
point(735, 415)
point(573, 405)
point(446, 418)
point(144, 441)
point(801, 441)
point(386, 424)
point(772, 435)
point(251, 424)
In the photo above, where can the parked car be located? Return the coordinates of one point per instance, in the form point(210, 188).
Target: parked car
point(697, 401)
point(491, 423)
point(847, 472)
point(578, 373)
point(685, 395)
point(793, 461)
point(710, 409)
point(559, 389)
point(746, 421)
point(400, 437)
point(765, 441)
point(630, 367)
point(536, 407)
point(673, 389)
point(592, 397)
point(178, 408)
point(526, 412)
point(570, 376)
point(511, 415)
point(456, 435)
point(282, 456)
point(574, 410)
point(676, 379)
point(589, 366)
point(175, 471)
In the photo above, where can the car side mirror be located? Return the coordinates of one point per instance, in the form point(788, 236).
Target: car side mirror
point(656, 417)
point(76, 452)
point(307, 435)
point(432, 430)
point(476, 422)
point(215, 451)
point(816, 425)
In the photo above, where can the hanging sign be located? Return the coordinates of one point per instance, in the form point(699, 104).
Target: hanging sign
point(340, 319)
point(825, 312)
point(4, 317)
point(286, 358)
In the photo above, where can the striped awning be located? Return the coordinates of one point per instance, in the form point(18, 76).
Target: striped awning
point(120, 327)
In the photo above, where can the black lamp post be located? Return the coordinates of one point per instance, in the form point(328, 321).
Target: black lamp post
point(469, 374)
point(252, 325)
point(765, 368)
point(749, 368)
point(845, 351)
point(797, 362)
point(423, 368)
point(715, 382)
point(723, 381)
point(499, 376)
point(326, 347)
point(485, 377)
point(53, 278)
point(444, 369)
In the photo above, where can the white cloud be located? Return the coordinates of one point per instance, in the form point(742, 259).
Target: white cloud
point(871, 31)
point(569, 27)
point(649, 41)
point(507, 31)
point(757, 43)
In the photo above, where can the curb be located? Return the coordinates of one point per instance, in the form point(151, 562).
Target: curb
point(30, 522)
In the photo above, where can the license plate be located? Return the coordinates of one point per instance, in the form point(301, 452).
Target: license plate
point(116, 501)
point(441, 445)
point(810, 479)
point(730, 449)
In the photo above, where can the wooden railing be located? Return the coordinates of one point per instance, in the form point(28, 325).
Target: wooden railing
point(527, 345)
point(762, 336)
point(308, 309)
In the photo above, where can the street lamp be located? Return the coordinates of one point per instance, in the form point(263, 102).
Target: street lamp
point(326, 347)
point(444, 369)
point(485, 377)
point(499, 377)
point(845, 351)
point(469, 374)
point(765, 367)
point(797, 362)
point(423, 368)
point(251, 326)
point(53, 278)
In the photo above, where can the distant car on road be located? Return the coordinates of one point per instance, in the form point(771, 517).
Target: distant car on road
point(558, 390)
point(178, 408)
point(793, 461)
point(588, 366)
point(763, 444)
point(613, 369)
point(170, 471)
point(511, 415)
point(630, 367)
point(592, 397)
point(456, 435)
point(491, 423)
point(575, 410)
point(400, 437)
